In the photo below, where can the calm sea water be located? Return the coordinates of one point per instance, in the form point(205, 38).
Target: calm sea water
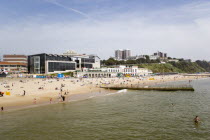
point(134, 115)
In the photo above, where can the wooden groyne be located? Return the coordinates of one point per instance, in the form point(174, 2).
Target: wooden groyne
point(153, 88)
point(204, 75)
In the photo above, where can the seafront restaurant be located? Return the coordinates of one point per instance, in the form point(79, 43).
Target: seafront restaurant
point(52, 63)
point(49, 63)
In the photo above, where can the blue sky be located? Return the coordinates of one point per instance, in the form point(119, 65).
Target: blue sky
point(178, 27)
point(46, 10)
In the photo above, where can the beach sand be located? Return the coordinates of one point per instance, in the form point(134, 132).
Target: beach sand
point(40, 91)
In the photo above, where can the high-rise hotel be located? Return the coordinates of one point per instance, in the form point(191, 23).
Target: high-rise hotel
point(122, 54)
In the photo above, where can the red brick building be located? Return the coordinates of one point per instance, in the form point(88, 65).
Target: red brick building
point(14, 63)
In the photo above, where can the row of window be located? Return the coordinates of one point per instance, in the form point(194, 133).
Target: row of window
point(125, 70)
point(12, 66)
point(113, 70)
point(58, 58)
point(88, 60)
point(130, 70)
point(56, 66)
point(87, 66)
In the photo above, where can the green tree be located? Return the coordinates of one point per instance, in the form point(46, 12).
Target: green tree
point(140, 61)
point(147, 59)
point(204, 64)
point(130, 62)
point(110, 61)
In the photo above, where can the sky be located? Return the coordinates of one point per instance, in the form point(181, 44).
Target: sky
point(180, 28)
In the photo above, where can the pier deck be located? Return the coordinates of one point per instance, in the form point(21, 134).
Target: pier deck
point(152, 88)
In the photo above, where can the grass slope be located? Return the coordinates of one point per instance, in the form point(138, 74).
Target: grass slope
point(180, 67)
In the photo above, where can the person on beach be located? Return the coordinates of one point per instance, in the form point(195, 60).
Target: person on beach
point(24, 92)
point(196, 119)
point(2, 108)
point(64, 97)
point(50, 100)
point(34, 100)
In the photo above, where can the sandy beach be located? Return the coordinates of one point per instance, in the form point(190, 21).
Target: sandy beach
point(48, 91)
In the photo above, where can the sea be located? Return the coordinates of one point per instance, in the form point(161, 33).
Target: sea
point(119, 115)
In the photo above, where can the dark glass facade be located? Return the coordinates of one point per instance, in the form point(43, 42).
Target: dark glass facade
point(88, 60)
point(77, 61)
point(36, 63)
point(57, 58)
point(87, 65)
point(58, 66)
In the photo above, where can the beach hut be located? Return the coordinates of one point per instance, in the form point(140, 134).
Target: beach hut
point(60, 75)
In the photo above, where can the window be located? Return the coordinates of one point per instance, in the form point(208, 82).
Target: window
point(87, 65)
point(37, 64)
point(57, 66)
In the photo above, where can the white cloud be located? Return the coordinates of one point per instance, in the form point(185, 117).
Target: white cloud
point(141, 35)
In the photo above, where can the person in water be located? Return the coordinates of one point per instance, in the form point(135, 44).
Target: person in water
point(2, 108)
point(196, 119)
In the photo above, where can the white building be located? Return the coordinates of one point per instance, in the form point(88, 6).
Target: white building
point(70, 53)
point(136, 57)
point(83, 60)
point(173, 60)
point(132, 71)
point(87, 61)
point(14, 58)
point(153, 57)
point(114, 72)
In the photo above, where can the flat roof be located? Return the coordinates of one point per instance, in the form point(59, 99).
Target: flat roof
point(58, 55)
point(14, 55)
point(76, 56)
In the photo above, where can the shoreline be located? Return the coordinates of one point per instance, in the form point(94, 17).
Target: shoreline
point(78, 91)
point(11, 109)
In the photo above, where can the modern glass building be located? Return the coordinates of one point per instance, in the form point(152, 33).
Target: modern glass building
point(87, 61)
point(49, 63)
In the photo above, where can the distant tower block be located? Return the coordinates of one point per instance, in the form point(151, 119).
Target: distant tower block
point(126, 53)
point(119, 54)
point(122, 54)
